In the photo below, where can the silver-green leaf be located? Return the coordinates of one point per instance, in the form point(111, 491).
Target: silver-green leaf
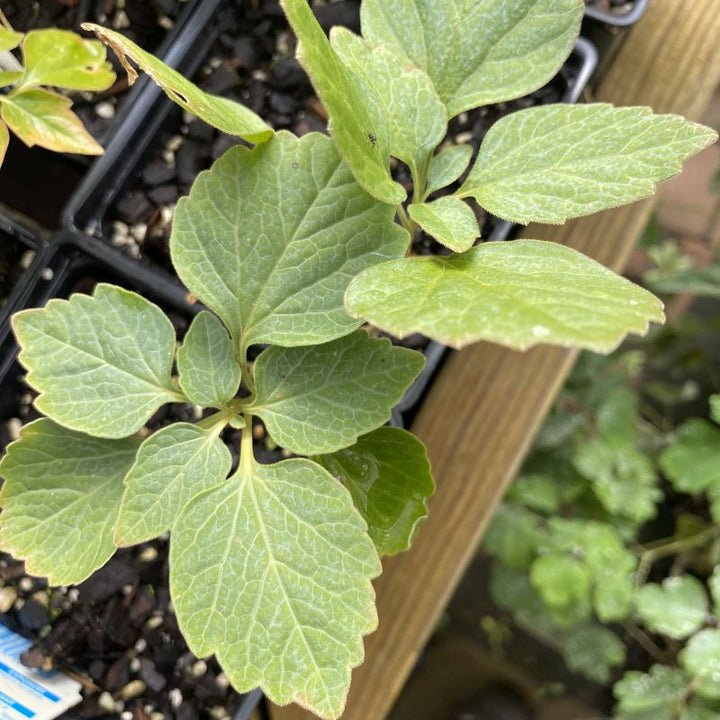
point(478, 52)
point(270, 239)
point(321, 398)
point(60, 499)
point(548, 164)
point(388, 475)
point(701, 660)
point(101, 363)
point(271, 572)
point(449, 220)
point(356, 124)
point(209, 372)
point(172, 467)
point(518, 294)
point(416, 117)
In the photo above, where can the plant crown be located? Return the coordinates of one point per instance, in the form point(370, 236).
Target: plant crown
point(51, 58)
point(292, 245)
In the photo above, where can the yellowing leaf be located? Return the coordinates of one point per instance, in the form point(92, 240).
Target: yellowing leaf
point(63, 59)
point(41, 117)
point(223, 114)
point(4, 140)
point(518, 294)
point(9, 39)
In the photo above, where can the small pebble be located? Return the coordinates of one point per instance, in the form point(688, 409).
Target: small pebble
point(175, 697)
point(198, 669)
point(13, 426)
point(463, 137)
point(135, 665)
point(105, 110)
point(174, 143)
point(222, 681)
point(26, 584)
point(218, 712)
point(154, 622)
point(148, 554)
point(26, 260)
point(133, 688)
point(138, 231)
point(141, 645)
point(8, 596)
point(47, 274)
point(126, 715)
point(157, 716)
point(106, 702)
point(165, 22)
point(121, 20)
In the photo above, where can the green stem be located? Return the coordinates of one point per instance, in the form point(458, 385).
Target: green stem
point(246, 445)
point(215, 422)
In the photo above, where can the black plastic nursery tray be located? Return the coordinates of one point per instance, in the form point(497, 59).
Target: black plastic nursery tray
point(619, 13)
point(117, 627)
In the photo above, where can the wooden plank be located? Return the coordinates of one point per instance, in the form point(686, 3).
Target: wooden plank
point(488, 402)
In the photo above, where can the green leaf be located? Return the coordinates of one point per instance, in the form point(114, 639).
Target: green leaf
point(611, 564)
point(447, 166)
point(271, 571)
point(63, 59)
point(593, 651)
point(172, 467)
point(714, 401)
point(692, 462)
point(44, 118)
point(414, 114)
point(640, 692)
point(449, 220)
point(714, 585)
point(388, 475)
point(101, 363)
point(209, 372)
point(517, 294)
point(230, 117)
point(4, 140)
point(481, 52)
point(536, 491)
point(9, 39)
point(701, 660)
point(355, 124)
point(9, 77)
point(321, 398)
point(677, 608)
point(560, 579)
point(698, 709)
point(624, 479)
point(514, 536)
point(60, 499)
point(548, 164)
point(276, 271)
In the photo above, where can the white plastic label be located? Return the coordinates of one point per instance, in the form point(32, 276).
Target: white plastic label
point(27, 694)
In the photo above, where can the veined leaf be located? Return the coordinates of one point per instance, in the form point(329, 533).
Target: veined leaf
point(714, 401)
point(514, 537)
point(271, 571)
point(449, 220)
point(172, 467)
point(447, 166)
point(388, 475)
point(518, 294)
point(276, 270)
point(701, 660)
point(4, 140)
point(61, 488)
point(677, 608)
point(209, 372)
point(356, 125)
point(9, 39)
point(64, 59)
point(415, 116)
point(548, 164)
point(321, 398)
point(230, 117)
point(561, 580)
point(714, 585)
point(44, 118)
point(593, 651)
point(480, 52)
point(101, 363)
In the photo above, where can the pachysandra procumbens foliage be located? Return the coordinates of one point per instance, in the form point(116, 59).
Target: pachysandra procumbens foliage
point(292, 245)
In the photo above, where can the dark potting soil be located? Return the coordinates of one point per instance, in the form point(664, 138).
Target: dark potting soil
point(15, 258)
point(117, 632)
point(253, 62)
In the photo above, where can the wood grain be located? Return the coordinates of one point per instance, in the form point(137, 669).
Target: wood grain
point(488, 402)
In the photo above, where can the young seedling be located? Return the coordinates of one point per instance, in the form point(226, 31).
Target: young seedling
point(50, 58)
point(292, 245)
